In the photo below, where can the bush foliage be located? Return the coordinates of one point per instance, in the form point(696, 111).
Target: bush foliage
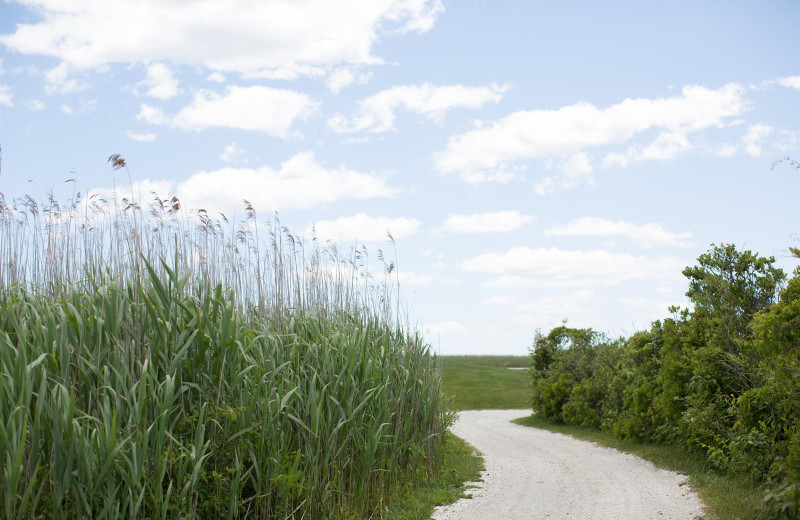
point(722, 378)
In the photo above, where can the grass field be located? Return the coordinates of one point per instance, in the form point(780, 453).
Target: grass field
point(485, 382)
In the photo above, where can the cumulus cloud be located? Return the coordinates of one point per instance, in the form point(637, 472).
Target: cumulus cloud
point(301, 183)
point(615, 159)
point(233, 153)
point(789, 81)
point(574, 169)
point(553, 267)
point(160, 82)
point(724, 150)
point(257, 108)
point(377, 113)
point(491, 222)
point(494, 150)
point(547, 309)
point(35, 105)
point(83, 107)
point(344, 76)
point(668, 145)
point(216, 77)
point(363, 228)
point(653, 234)
point(58, 80)
point(277, 39)
point(413, 278)
point(444, 328)
point(502, 301)
point(142, 138)
point(142, 191)
point(5, 96)
point(754, 137)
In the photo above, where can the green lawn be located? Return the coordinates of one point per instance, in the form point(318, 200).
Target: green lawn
point(485, 382)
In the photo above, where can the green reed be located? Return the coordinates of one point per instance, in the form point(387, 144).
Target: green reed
point(163, 364)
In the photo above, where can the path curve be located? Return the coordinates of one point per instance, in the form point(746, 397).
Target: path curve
point(536, 474)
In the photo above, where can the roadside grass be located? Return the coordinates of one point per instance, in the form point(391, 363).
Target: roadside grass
point(461, 465)
point(725, 497)
point(468, 383)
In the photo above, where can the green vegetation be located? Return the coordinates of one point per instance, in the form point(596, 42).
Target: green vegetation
point(461, 464)
point(246, 377)
point(725, 496)
point(721, 380)
point(484, 382)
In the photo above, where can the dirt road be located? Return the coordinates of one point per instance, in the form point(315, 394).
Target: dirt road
point(536, 474)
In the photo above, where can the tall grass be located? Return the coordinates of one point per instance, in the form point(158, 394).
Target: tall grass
point(159, 363)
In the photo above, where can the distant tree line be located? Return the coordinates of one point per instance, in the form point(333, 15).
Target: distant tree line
point(722, 378)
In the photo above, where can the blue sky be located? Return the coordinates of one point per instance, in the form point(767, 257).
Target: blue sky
point(535, 161)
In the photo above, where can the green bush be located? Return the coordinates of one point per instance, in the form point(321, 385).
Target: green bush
point(723, 378)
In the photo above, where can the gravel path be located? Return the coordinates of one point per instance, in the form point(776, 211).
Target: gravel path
point(535, 474)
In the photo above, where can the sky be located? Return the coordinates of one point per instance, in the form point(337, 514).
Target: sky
point(534, 161)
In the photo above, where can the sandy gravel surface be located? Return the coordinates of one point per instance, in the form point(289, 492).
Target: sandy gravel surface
point(533, 474)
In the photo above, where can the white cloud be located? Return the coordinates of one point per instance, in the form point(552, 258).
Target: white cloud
point(494, 150)
point(83, 107)
point(787, 141)
point(2, 69)
point(58, 81)
point(5, 96)
point(553, 267)
point(377, 113)
point(35, 105)
point(502, 301)
point(615, 159)
point(278, 39)
point(444, 328)
point(668, 145)
point(216, 77)
point(142, 138)
point(574, 169)
point(301, 182)
point(257, 108)
point(412, 278)
point(363, 228)
point(491, 222)
point(789, 81)
point(344, 76)
point(653, 234)
point(753, 138)
point(162, 83)
point(724, 150)
point(548, 309)
point(233, 153)
point(142, 191)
